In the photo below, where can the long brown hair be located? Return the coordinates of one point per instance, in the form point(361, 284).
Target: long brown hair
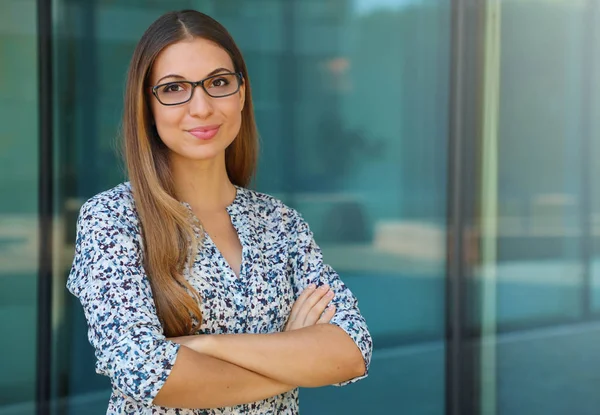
point(169, 239)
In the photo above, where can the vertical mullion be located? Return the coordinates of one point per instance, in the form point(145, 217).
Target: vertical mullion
point(455, 218)
point(288, 80)
point(489, 206)
point(87, 80)
point(587, 240)
point(45, 209)
point(463, 364)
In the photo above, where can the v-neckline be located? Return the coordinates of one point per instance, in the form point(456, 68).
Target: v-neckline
point(222, 257)
point(232, 212)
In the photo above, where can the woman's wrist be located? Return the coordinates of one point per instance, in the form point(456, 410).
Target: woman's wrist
point(202, 343)
point(199, 343)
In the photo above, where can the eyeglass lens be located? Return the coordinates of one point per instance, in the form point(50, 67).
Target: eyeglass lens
point(181, 91)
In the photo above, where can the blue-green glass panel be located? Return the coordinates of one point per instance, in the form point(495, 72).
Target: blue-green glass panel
point(18, 205)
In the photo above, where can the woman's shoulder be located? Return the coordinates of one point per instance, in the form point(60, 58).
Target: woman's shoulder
point(269, 207)
point(115, 204)
point(107, 227)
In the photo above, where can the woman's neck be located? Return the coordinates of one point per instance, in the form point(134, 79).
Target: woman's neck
point(203, 184)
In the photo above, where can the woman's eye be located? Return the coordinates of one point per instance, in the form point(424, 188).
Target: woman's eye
point(219, 82)
point(173, 88)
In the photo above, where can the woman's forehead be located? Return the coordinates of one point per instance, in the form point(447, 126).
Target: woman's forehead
point(192, 59)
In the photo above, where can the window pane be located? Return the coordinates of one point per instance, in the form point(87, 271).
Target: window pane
point(18, 205)
point(351, 104)
point(539, 352)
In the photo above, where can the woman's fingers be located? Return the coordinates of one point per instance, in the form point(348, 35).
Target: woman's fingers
point(311, 308)
point(327, 315)
point(313, 315)
point(311, 302)
point(300, 301)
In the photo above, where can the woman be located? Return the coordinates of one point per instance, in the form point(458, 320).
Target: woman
point(198, 292)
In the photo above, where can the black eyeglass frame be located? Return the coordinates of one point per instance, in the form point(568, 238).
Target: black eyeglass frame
point(239, 77)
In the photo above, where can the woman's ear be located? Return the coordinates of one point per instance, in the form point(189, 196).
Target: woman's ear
point(242, 95)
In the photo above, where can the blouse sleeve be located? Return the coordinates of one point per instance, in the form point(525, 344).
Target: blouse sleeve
point(306, 266)
point(108, 278)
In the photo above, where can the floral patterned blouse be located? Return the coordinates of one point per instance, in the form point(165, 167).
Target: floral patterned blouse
point(279, 260)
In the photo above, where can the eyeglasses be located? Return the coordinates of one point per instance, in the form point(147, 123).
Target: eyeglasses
point(216, 86)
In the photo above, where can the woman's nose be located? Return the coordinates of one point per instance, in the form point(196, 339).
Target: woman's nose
point(201, 104)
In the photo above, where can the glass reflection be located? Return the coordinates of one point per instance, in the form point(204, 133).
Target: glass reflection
point(353, 135)
point(18, 205)
point(542, 326)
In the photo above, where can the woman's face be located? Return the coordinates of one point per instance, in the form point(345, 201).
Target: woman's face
point(202, 128)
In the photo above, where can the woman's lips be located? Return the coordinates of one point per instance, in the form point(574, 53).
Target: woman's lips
point(205, 133)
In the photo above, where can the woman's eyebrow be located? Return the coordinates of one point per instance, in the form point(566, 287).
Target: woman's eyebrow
point(216, 71)
point(170, 76)
point(211, 73)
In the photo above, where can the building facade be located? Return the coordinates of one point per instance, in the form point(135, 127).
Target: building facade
point(444, 153)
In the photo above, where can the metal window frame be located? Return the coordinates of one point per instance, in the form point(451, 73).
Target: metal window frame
point(464, 142)
point(461, 385)
point(45, 208)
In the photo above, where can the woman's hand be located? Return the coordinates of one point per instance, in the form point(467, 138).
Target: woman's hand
point(311, 308)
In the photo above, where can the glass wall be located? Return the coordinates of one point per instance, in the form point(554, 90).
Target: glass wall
point(18, 205)
point(538, 281)
point(358, 104)
point(351, 104)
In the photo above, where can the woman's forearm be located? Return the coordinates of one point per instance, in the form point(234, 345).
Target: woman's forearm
point(200, 381)
point(314, 356)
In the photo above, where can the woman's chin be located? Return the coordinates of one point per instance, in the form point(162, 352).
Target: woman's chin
point(205, 154)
